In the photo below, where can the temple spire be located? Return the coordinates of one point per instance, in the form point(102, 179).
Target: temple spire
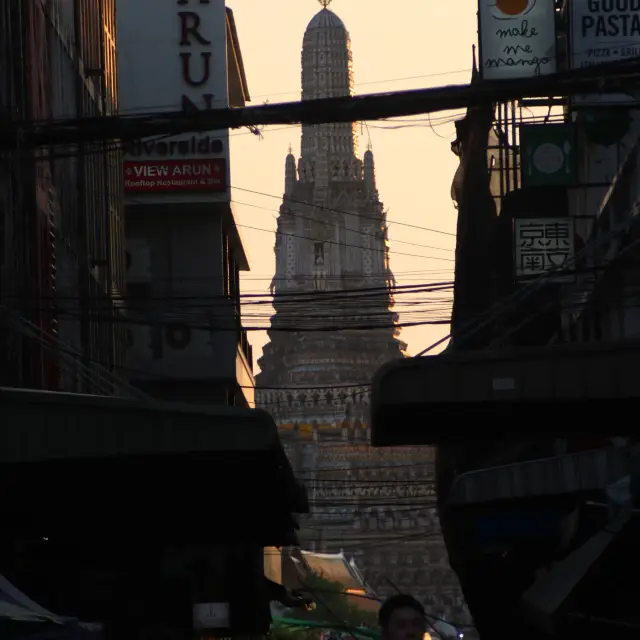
point(327, 73)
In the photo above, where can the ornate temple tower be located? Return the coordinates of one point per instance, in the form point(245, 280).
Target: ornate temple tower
point(333, 275)
point(332, 236)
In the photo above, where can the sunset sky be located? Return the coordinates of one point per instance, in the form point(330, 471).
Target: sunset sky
point(409, 44)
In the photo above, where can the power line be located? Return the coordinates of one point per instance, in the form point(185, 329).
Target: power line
point(346, 244)
point(355, 293)
point(287, 200)
point(553, 300)
point(510, 301)
point(332, 224)
point(311, 328)
point(319, 322)
point(607, 77)
point(520, 295)
point(385, 249)
point(371, 82)
point(368, 544)
point(374, 467)
point(195, 313)
point(54, 344)
point(174, 106)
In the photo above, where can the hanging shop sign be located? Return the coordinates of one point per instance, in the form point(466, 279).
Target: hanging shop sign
point(211, 615)
point(176, 61)
point(604, 31)
point(544, 246)
point(548, 155)
point(517, 38)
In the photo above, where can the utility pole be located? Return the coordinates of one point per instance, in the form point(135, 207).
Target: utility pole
point(475, 277)
point(609, 77)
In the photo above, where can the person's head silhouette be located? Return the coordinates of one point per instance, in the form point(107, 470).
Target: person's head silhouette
point(402, 617)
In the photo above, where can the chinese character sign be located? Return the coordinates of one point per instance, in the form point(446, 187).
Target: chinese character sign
point(544, 245)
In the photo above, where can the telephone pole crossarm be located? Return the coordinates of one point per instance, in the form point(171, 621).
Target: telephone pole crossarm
point(610, 77)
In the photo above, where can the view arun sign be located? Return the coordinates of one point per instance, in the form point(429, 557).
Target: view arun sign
point(177, 60)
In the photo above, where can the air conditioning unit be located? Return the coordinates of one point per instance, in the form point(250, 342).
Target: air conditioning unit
point(178, 336)
point(138, 260)
point(180, 339)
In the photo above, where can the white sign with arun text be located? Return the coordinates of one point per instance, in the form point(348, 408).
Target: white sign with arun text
point(172, 56)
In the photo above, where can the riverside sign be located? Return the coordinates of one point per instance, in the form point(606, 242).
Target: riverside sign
point(177, 60)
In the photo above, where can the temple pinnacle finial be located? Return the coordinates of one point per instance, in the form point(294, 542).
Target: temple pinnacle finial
point(325, 3)
point(290, 149)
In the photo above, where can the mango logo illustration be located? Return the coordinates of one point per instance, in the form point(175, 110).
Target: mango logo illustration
point(511, 9)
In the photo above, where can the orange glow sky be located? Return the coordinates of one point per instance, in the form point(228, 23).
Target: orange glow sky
point(407, 44)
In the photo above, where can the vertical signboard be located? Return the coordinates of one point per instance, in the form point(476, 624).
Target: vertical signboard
point(172, 56)
point(604, 31)
point(517, 38)
point(548, 155)
point(544, 245)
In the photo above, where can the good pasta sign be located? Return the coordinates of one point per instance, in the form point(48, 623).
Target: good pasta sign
point(604, 31)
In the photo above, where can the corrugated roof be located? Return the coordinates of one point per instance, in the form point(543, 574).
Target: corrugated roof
point(334, 567)
point(364, 603)
point(331, 567)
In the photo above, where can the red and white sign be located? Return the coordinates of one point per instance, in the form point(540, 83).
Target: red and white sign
point(173, 54)
point(175, 175)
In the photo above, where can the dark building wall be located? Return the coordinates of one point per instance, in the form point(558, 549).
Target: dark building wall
point(28, 265)
point(186, 342)
point(61, 208)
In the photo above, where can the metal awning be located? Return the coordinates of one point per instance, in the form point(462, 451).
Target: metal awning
point(582, 472)
point(149, 465)
point(41, 425)
point(419, 400)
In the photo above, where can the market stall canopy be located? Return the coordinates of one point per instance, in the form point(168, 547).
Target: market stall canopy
point(149, 467)
point(21, 619)
point(17, 607)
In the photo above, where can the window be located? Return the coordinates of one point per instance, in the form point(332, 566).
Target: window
point(320, 280)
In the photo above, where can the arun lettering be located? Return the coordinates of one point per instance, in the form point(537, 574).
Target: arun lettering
point(195, 66)
point(186, 69)
point(190, 28)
